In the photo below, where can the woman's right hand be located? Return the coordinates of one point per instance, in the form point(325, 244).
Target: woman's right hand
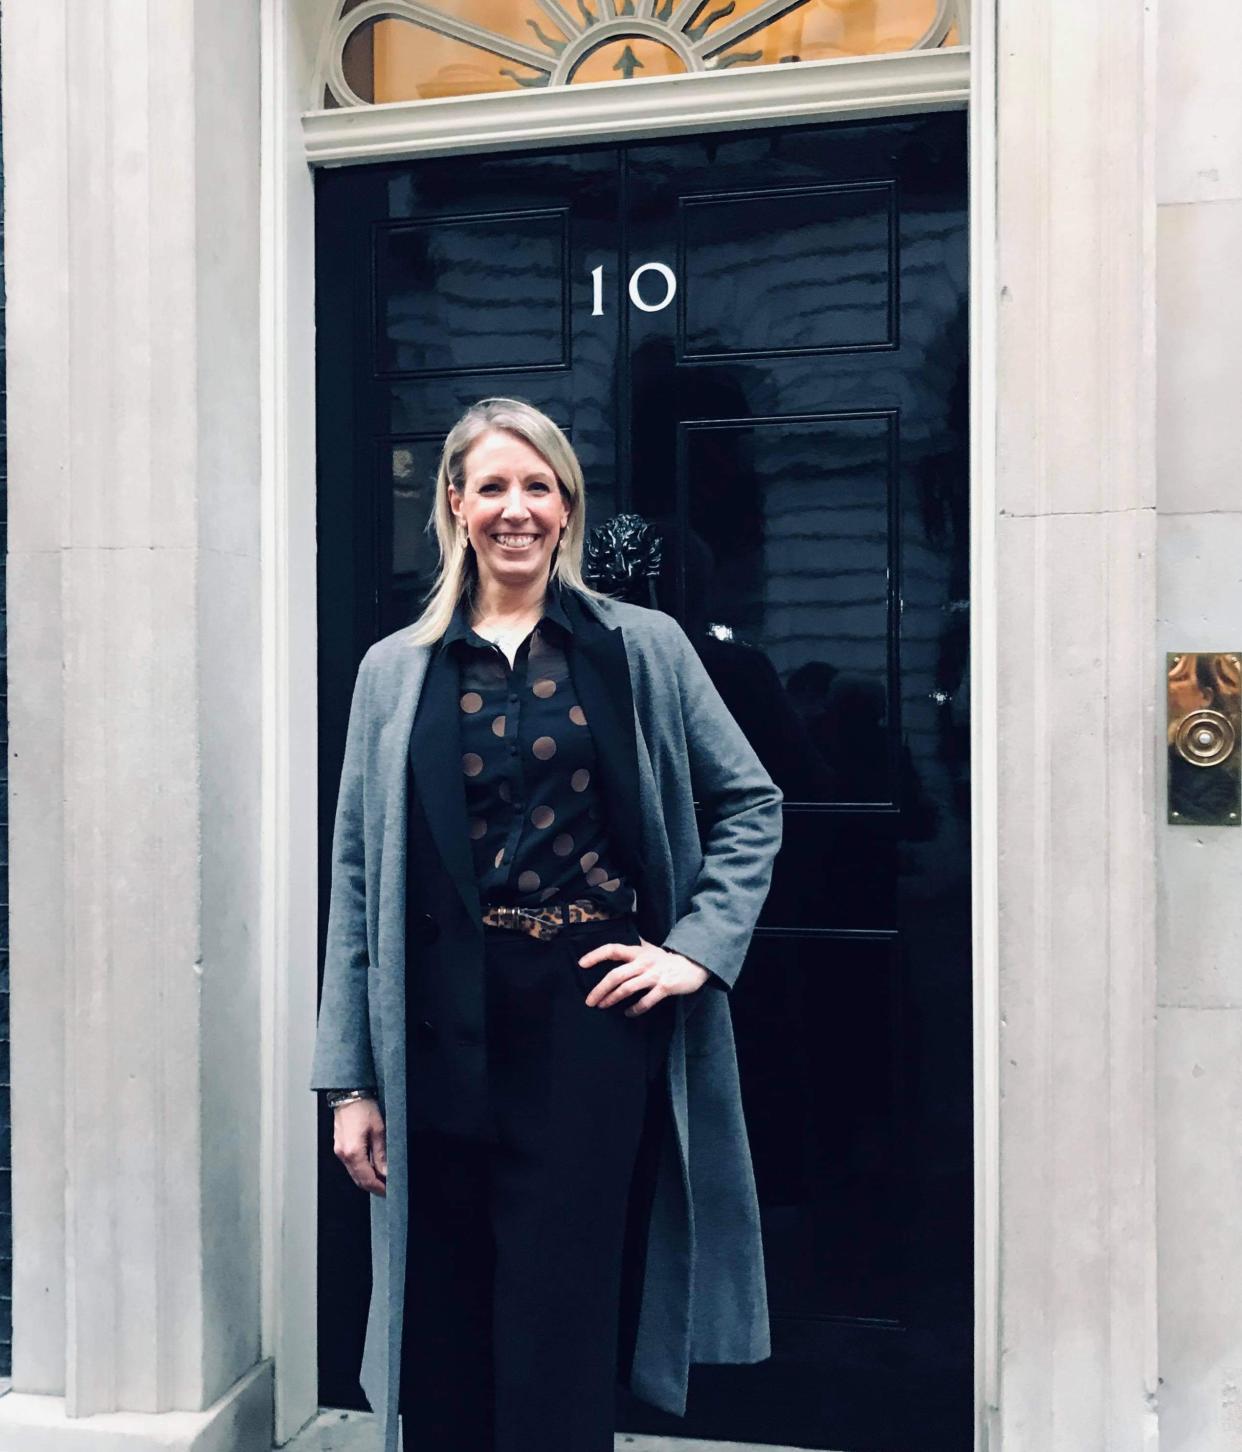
point(360, 1143)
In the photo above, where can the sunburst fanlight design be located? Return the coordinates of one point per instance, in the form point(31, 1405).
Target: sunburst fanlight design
point(381, 50)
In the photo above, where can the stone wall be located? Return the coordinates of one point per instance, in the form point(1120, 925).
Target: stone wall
point(1199, 1013)
point(6, 1194)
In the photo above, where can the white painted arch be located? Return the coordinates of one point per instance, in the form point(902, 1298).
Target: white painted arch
point(814, 92)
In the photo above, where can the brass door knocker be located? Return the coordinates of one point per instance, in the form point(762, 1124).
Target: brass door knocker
point(1204, 726)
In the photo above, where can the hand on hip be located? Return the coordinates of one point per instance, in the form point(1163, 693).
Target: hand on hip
point(642, 968)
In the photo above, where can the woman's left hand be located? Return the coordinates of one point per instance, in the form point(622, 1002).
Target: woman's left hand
point(641, 966)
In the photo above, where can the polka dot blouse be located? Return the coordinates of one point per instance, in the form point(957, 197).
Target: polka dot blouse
point(528, 758)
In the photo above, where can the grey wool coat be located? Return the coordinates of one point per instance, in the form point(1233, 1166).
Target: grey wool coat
point(703, 1295)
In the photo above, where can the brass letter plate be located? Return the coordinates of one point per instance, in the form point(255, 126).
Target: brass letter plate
point(1205, 724)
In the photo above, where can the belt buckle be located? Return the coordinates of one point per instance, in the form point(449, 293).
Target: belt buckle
point(509, 915)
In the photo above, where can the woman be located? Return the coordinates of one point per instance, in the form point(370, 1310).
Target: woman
point(524, 1027)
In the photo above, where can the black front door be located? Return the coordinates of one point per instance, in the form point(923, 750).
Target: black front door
point(759, 342)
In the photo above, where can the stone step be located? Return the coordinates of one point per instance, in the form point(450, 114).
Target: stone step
point(337, 1431)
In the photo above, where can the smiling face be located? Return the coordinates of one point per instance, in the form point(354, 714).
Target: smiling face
point(513, 509)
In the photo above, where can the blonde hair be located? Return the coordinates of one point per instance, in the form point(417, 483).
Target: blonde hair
point(458, 569)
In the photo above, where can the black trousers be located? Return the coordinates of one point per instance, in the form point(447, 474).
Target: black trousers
point(513, 1286)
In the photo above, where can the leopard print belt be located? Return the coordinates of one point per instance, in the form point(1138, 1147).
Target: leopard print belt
point(546, 922)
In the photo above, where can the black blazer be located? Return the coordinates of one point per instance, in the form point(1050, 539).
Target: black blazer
point(445, 1063)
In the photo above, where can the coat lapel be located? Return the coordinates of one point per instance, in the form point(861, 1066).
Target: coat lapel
point(435, 762)
point(601, 676)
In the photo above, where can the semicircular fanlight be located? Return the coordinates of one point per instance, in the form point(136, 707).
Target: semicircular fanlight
point(379, 51)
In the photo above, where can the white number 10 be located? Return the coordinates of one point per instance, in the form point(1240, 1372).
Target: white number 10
point(636, 297)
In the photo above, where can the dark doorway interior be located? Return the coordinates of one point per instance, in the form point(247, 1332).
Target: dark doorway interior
point(758, 341)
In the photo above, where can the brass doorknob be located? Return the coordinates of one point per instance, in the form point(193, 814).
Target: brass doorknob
point(1205, 738)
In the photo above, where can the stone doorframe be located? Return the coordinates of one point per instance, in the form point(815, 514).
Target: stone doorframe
point(162, 708)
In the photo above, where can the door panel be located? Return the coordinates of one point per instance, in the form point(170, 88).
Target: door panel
point(802, 563)
point(473, 294)
point(765, 271)
point(792, 413)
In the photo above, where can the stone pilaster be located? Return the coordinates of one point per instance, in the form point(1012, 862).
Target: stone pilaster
point(132, 140)
point(1074, 530)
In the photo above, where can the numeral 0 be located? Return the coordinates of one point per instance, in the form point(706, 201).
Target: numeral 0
point(636, 297)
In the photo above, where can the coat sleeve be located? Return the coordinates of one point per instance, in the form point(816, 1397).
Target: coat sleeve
point(742, 808)
point(343, 1058)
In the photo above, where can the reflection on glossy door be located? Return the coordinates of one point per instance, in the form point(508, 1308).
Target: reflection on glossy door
point(810, 396)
